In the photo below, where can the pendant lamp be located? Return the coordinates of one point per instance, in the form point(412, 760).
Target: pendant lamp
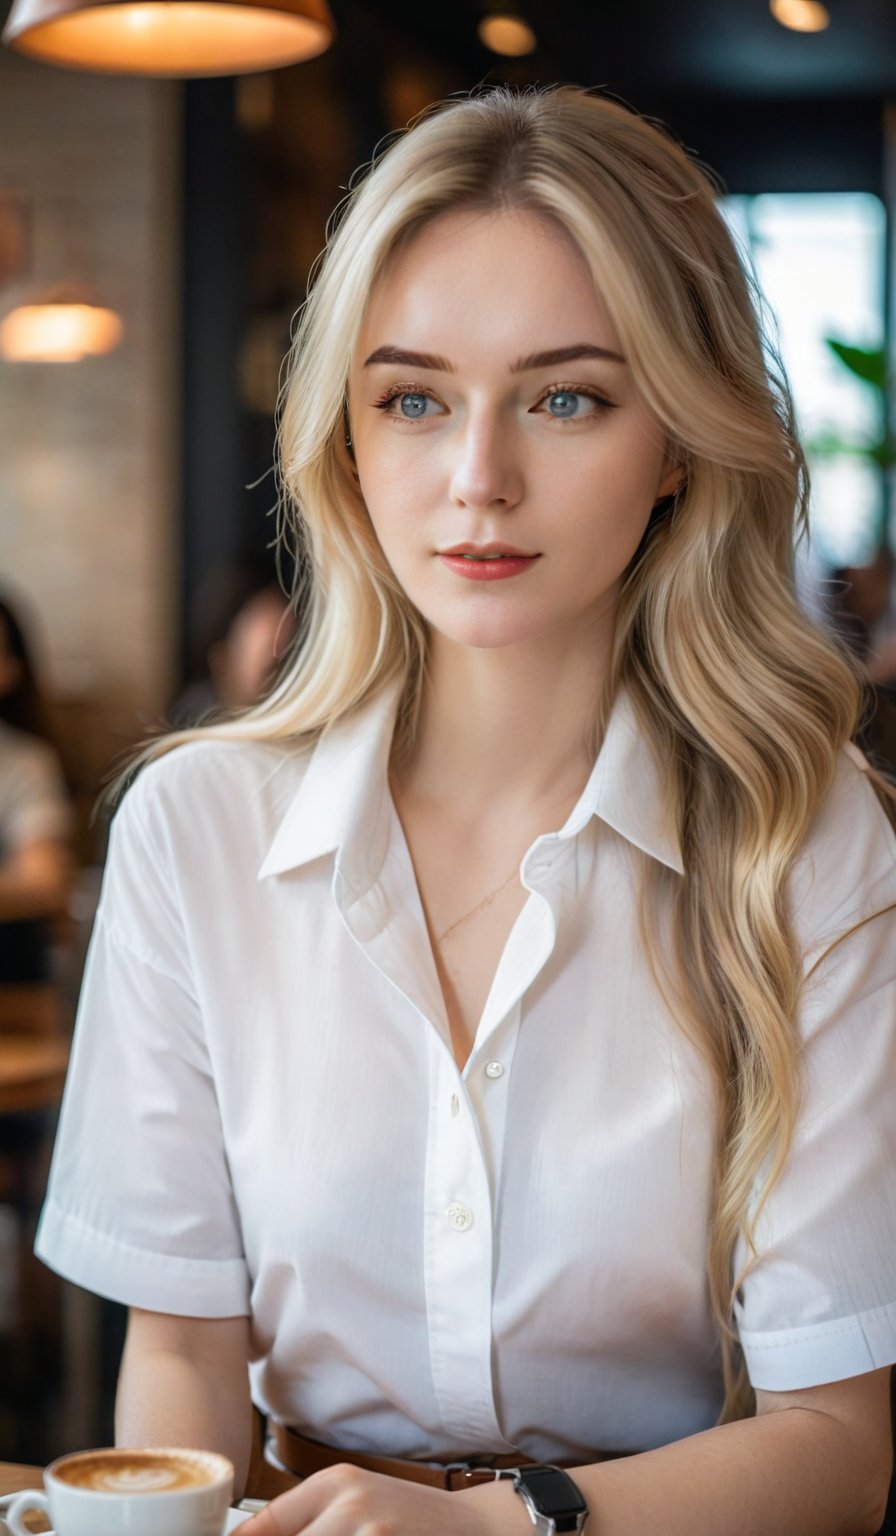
point(507, 34)
point(179, 38)
point(801, 15)
point(59, 325)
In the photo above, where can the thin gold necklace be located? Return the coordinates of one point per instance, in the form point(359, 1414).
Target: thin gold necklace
point(473, 911)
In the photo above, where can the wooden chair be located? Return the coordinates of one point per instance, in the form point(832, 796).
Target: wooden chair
point(34, 1046)
point(32, 1008)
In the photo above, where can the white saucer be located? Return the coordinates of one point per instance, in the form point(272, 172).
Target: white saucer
point(235, 1517)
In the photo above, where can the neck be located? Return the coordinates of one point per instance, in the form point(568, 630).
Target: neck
point(504, 730)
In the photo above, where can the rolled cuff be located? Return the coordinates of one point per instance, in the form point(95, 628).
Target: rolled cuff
point(137, 1277)
point(791, 1358)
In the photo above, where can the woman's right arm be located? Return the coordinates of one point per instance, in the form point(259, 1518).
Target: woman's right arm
point(185, 1381)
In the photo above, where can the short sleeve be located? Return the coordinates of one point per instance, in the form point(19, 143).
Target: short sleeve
point(33, 799)
point(139, 1205)
point(820, 1303)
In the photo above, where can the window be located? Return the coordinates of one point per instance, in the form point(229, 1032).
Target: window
point(820, 263)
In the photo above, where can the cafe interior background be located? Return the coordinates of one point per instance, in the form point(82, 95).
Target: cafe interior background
point(136, 494)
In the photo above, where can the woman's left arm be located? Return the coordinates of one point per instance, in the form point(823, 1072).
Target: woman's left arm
point(811, 1463)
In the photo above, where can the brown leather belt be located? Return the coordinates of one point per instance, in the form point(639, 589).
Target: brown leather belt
point(304, 1457)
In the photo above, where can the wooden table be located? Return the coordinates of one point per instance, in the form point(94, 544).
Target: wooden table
point(14, 1476)
point(32, 1072)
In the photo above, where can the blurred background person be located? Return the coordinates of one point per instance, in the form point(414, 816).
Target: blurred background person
point(242, 626)
point(36, 884)
point(35, 815)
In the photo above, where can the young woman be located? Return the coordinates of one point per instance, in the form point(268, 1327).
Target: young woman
point(490, 1039)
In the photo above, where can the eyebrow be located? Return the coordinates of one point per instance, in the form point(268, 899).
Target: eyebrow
point(579, 350)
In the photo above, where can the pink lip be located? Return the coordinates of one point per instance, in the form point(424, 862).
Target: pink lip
point(488, 570)
point(487, 549)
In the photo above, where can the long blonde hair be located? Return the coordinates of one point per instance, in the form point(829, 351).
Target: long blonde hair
point(737, 693)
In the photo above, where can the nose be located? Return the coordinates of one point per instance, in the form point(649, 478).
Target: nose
point(486, 471)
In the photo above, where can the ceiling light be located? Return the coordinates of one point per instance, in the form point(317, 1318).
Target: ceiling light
point(800, 15)
point(62, 325)
point(509, 35)
point(179, 38)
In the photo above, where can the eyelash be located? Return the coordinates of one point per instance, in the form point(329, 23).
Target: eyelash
point(587, 391)
point(396, 391)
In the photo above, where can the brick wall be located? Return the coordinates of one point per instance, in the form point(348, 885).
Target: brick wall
point(89, 450)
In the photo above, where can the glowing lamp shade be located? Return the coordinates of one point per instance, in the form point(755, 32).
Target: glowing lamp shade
point(800, 15)
point(59, 330)
point(509, 35)
point(179, 38)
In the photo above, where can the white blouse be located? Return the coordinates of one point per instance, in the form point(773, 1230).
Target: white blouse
point(264, 1115)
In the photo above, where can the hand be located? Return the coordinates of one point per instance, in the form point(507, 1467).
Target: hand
point(345, 1501)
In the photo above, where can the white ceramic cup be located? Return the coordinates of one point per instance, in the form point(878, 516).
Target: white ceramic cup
point(167, 1492)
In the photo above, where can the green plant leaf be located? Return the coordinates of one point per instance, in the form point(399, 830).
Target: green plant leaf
point(867, 363)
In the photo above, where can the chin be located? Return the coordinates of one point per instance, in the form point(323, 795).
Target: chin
point(486, 632)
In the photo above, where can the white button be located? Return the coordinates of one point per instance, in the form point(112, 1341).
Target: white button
point(460, 1216)
point(455, 1104)
point(494, 1069)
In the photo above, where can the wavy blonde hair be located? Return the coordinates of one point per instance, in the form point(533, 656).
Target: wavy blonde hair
point(744, 700)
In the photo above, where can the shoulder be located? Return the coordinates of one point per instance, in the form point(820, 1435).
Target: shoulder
point(225, 789)
point(846, 872)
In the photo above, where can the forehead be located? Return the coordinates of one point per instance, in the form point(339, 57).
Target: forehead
point(512, 280)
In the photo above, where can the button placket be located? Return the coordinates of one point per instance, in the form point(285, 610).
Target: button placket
point(488, 1085)
point(458, 1259)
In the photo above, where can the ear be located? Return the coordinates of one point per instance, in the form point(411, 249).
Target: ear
point(348, 443)
point(672, 481)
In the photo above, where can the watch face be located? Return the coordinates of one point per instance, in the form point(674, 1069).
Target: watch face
point(553, 1492)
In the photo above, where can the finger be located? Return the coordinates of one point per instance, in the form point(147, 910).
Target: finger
point(294, 1511)
point(284, 1516)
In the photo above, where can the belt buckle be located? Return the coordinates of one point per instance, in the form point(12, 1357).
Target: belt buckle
point(468, 1469)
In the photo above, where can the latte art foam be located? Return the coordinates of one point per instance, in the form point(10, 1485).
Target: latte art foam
point(134, 1474)
point(135, 1479)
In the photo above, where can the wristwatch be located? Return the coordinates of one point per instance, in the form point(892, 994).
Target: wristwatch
point(551, 1497)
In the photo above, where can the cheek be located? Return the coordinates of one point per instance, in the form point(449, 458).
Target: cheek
point(397, 491)
point(604, 506)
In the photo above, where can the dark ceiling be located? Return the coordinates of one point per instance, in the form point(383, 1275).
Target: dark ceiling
point(670, 46)
point(633, 46)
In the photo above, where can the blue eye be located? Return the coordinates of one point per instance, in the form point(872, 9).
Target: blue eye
point(413, 406)
point(409, 404)
point(564, 404)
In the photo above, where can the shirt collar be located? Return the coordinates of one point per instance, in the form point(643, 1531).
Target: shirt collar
point(342, 803)
point(625, 790)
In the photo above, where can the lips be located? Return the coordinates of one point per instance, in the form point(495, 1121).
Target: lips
point(491, 567)
point(489, 552)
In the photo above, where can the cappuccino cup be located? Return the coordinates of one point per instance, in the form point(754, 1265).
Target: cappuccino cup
point(168, 1492)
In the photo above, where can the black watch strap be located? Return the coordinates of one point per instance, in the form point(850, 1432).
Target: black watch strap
point(551, 1497)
